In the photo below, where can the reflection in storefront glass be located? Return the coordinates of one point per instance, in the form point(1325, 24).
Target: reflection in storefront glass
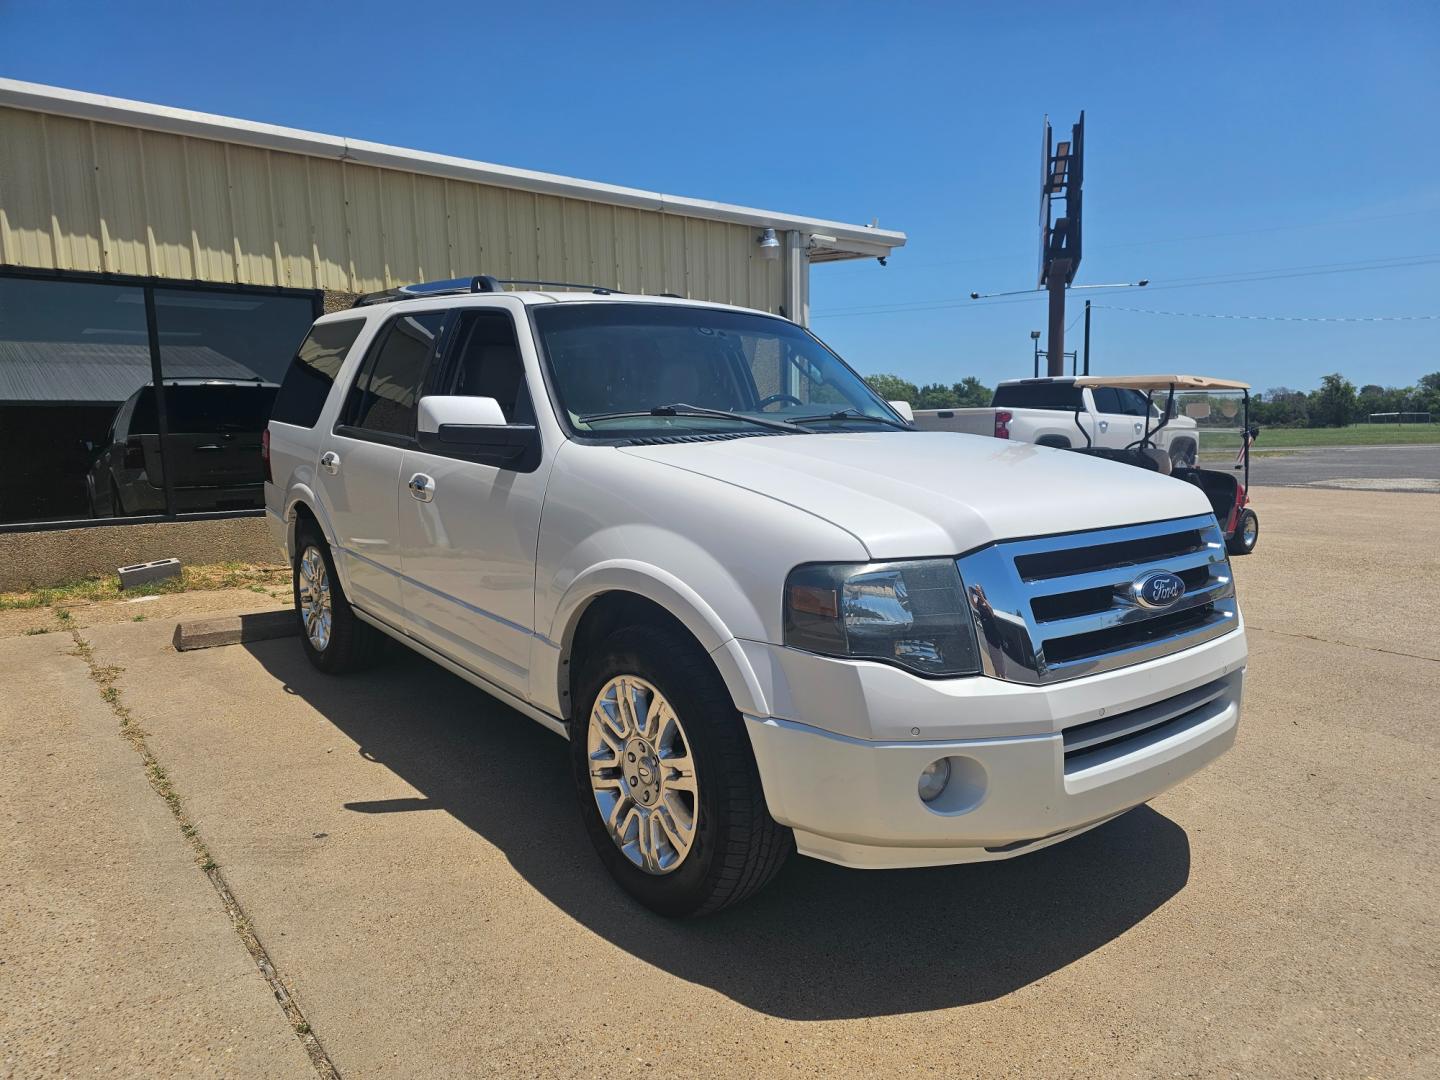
point(72, 354)
point(79, 418)
point(222, 357)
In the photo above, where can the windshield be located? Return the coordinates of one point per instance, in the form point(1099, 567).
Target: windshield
point(614, 364)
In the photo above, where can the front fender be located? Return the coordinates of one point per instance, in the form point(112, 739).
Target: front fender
point(668, 591)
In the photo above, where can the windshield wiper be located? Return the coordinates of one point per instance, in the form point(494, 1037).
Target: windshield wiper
point(681, 409)
point(851, 414)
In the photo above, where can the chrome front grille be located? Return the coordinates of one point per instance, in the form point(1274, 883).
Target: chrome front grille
point(1059, 607)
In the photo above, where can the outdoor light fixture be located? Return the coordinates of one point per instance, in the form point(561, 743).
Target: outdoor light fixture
point(769, 245)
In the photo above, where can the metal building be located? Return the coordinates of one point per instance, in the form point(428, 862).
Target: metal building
point(141, 246)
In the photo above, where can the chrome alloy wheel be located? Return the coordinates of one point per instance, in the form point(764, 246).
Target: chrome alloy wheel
point(642, 774)
point(314, 597)
point(1250, 530)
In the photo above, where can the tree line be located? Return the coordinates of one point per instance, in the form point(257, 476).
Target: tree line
point(1335, 403)
point(970, 393)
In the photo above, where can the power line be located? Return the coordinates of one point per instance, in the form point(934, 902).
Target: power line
point(1332, 223)
point(1394, 262)
point(1272, 318)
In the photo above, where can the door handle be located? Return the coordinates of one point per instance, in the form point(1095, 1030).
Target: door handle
point(330, 462)
point(422, 487)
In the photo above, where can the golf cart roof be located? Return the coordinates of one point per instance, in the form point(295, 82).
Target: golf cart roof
point(1161, 382)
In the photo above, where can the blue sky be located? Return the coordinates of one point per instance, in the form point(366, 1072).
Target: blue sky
point(1291, 143)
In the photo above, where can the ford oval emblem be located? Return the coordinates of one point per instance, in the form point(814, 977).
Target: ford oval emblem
point(1158, 590)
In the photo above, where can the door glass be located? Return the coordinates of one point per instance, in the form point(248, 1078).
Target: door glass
point(74, 366)
point(1106, 399)
point(1132, 402)
point(489, 364)
point(383, 398)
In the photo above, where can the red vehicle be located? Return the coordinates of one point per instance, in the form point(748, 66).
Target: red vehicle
point(1228, 495)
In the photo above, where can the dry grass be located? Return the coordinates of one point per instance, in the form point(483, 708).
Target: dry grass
point(255, 577)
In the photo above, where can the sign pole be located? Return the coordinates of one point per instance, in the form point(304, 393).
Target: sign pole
point(1055, 286)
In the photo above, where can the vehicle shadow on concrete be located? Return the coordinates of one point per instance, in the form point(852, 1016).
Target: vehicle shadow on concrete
point(821, 942)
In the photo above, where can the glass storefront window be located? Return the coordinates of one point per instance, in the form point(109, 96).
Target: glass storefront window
point(73, 356)
point(79, 415)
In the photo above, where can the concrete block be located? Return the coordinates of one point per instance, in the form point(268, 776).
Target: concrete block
point(140, 573)
point(235, 629)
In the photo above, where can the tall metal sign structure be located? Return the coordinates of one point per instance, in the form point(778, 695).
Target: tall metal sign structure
point(1063, 171)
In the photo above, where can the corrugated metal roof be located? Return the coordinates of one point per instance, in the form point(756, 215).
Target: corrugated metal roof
point(67, 373)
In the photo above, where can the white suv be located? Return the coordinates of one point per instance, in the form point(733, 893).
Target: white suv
point(766, 612)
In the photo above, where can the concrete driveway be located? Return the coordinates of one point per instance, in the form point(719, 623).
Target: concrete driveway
point(407, 855)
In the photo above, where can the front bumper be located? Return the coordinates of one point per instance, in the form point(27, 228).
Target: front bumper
point(1044, 770)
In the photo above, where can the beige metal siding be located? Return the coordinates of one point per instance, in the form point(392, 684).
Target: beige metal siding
point(86, 195)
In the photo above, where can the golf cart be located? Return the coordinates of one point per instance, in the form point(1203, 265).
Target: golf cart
point(1227, 494)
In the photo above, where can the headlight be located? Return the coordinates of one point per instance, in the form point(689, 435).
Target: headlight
point(912, 614)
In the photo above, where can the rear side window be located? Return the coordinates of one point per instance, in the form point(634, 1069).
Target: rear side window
point(488, 363)
point(382, 399)
point(312, 372)
point(1044, 395)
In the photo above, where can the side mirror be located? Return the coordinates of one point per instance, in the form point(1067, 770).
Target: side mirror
point(474, 429)
point(903, 408)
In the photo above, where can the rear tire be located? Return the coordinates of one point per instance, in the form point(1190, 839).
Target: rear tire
point(334, 638)
point(732, 847)
point(1246, 535)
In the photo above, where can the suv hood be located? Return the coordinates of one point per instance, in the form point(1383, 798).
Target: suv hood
point(935, 493)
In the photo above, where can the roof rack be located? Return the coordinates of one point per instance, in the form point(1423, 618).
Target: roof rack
point(480, 283)
point(598, 290)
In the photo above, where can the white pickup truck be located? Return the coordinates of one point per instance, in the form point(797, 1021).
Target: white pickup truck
point(1043, 411)
point(766, 612)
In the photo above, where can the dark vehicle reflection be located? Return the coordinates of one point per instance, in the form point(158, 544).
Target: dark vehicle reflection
point(213, 449)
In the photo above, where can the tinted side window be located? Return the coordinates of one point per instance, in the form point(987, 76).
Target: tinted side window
point(383, 397)
point(1133, 402)
point(1106, 399)
point(1060, 395)
point(488, 363)
point(313, 370)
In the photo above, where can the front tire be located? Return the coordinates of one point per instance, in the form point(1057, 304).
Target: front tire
point(1246, 535)
point(666, 780)
point(1182, 454)
point(334, 638)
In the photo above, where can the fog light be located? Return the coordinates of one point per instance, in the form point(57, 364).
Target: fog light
point(933, 779)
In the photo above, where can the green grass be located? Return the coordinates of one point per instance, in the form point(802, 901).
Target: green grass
point(1276, 438)
point(107, 587)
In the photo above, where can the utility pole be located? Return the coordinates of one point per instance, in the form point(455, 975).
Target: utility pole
point(1087, 337)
